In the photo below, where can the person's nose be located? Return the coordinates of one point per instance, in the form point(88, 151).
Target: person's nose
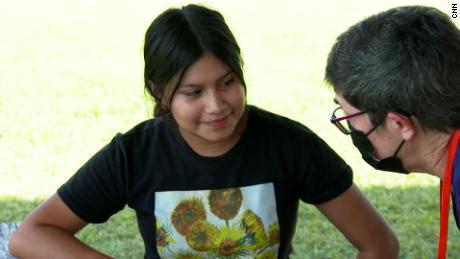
point(215, 103)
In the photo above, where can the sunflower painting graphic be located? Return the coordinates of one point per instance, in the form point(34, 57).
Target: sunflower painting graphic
point(230, 244)
point(269, 254)
point(232, 223)
point(201, 236)
point(274, 233)
point(225, 203)
point(186, 213)
point(187, 255)
point(163, 236)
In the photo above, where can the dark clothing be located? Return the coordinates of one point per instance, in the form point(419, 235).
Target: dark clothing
point(244, 194)
point(456, 186)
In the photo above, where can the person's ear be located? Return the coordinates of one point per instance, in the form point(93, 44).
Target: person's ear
point(402, 124)
point(154, 89)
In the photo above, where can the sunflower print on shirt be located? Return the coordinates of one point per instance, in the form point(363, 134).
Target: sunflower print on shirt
point(228, 223)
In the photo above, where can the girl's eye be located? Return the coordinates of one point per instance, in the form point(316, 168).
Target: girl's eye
point(229, 81)
point(192, 93)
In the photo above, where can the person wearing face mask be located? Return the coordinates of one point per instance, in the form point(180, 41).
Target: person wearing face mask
point(397, 83)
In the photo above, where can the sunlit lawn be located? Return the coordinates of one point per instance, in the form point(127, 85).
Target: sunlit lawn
point(71, 78)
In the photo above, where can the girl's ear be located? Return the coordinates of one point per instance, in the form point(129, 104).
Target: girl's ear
point(154, 89)
point(150, 83)
point(402, 124)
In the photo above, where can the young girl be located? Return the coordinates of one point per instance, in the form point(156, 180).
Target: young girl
point(209, 176)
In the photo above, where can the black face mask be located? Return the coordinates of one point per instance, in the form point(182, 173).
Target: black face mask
point(392, 163)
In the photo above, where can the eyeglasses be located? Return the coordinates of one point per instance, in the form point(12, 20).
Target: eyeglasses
point(340, 119)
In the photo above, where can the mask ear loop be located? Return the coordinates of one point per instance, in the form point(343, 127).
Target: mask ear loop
point(399, 147)
point(404, 113)
point(408, 115)
point(373, 128)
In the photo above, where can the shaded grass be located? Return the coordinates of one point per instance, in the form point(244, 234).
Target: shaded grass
point(410, 211)
point(71, 78)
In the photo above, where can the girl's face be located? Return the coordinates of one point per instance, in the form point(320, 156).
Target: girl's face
point(208, 104)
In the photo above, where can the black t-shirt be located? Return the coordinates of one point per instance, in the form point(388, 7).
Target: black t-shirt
point(242, 204)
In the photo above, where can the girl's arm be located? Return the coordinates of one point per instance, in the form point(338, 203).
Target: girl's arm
point(361, 224)
point(49, 233)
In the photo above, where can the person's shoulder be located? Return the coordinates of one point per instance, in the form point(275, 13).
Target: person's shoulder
point(148, 126)
point(146, 130)
point(278, 123)
point(288, 135)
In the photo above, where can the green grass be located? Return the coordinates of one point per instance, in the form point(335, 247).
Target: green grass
point(71, 77)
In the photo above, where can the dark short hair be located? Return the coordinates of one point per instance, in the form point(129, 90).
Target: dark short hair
point(403, 59)
point(175, 40)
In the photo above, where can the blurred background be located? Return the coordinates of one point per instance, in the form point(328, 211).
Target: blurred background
point(71, 77)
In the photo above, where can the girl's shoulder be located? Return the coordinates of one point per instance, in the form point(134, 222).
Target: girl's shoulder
point(273, 123)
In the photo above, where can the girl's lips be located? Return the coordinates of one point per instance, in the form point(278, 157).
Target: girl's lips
point(218, 123)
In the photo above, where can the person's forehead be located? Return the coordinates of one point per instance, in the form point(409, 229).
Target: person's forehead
point(206, 68)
